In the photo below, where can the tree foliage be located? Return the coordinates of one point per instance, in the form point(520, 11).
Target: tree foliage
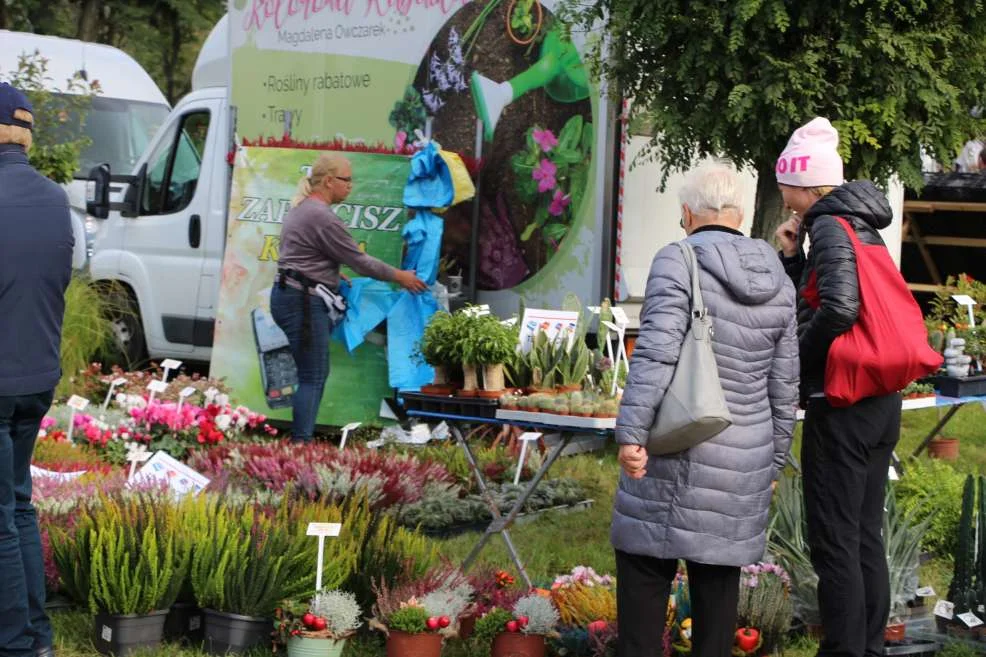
point(736, 78)
point(164, 36)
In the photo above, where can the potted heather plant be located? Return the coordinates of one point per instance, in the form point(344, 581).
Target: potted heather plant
point(521, 633)
point(319, 628)
point(765, 609)
point(418, 615)
point(129, 562)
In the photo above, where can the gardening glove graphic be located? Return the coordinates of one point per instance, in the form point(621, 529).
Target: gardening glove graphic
point(559, 70)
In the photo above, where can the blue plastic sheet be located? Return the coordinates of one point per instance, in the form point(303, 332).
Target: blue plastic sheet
point(430, 183)
point(371, 302)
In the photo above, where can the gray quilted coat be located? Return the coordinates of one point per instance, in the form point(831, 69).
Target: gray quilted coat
point(709, 504)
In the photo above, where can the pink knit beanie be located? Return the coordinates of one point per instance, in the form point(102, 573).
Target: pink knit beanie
point(811, 158)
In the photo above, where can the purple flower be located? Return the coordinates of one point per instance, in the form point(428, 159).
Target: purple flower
point(545, 139)
point(558, 203)
point(544, 173)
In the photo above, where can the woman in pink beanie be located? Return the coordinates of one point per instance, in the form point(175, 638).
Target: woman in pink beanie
point(846, 452)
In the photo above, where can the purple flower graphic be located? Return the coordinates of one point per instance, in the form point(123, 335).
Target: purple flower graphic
point(545, 139)
point(544, 173)
point(558, 203)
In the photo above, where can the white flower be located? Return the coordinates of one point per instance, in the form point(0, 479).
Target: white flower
point(121, 398)
point(222, 421)
point(222, 400)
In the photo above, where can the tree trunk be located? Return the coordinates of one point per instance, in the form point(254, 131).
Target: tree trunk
point(3, 15)
point(89, 15)
point(769, 210)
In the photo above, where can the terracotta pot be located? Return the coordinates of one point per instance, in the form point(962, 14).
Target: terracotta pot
point(467, 393)
point(491, 394)
point(577, 387)
point(894, 632)
point(946, 449)
point(541, 391)
point(402, 644)
point(515, 644)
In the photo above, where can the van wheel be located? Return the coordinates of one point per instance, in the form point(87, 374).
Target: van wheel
point(129, 344)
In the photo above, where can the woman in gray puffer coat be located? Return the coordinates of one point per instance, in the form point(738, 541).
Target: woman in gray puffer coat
point(707, 505)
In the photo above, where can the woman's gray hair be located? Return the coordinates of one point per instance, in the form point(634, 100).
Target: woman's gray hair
point(712, 188)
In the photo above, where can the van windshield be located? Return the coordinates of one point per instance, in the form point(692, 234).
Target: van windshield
point(120, 131)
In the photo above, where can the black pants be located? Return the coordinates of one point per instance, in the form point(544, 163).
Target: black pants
point(846, 456)
point(643, 585)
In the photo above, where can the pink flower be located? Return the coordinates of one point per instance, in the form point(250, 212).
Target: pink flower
point(47, 423)
point(399, 140)
point(544, 173)
point(545, 139)
point(558, 203)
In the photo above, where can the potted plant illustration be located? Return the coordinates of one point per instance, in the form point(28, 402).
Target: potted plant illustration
point(129, 562)
point(319, 628)
point(524, 20)
point(491, 344)
point(533, 619)
point(439, 348)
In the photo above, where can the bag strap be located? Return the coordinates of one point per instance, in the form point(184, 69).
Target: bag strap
point(698, 303)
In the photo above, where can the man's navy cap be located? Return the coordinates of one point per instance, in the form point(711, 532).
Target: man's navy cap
point(12, 100)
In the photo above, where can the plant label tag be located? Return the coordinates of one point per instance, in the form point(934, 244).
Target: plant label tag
point(376, 444)
point(187, 392)
point(892, 474)
point(970, 619)
point(945, 609)
point(119, 382)
point(194, 623)
point(170, 364)
point(107, 633)
point(925, 592)
point(157, 386)
point(620, 316)
point(324, 528)
point(963, 300)
point(530, 436)
point(77, 403)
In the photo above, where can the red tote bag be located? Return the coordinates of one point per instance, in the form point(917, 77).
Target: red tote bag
point(887, 347)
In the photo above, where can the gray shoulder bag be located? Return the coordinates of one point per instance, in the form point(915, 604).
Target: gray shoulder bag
point(693, 409)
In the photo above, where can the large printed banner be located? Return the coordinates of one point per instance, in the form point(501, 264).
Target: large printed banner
point(248, 352)
point(366, 74)
point(373, 71)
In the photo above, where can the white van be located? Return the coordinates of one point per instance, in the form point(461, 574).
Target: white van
point(124, 116)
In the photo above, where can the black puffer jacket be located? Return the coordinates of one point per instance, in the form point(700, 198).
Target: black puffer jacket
point(832, 258)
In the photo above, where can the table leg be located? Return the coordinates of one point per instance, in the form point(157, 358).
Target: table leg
point(938, 427)
point(498, 526)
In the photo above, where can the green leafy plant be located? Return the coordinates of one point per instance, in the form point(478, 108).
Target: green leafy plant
point(522, 20)
point(409, 113)
point(551, 173)
point(87, 330)
point(490, 625)
point(903, 533)
point(59, 117)
point(440, 344)
point(932, 489)
point(787, 540)
point(412, 619)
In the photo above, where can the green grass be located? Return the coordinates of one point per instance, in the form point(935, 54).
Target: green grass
point(555, 543)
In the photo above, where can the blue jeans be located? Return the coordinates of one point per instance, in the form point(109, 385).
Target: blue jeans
point(311, 355)
point(24, 625)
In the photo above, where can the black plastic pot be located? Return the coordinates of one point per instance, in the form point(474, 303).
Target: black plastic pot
point(185, 624)
point(123, 635)
point(227, 634)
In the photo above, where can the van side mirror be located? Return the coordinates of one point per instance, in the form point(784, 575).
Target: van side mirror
point(135, 193)
point(98, 191)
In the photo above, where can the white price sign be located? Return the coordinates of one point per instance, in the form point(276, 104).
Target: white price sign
point(945, 609)
point(970, 619)
point(77, 403)
point(157, 386)
point(170, 364)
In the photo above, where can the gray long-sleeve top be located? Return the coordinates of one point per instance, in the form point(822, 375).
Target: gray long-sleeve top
point(315, 243)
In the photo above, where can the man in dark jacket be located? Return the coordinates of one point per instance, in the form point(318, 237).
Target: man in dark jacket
point(35, 268)
point(845, 451)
